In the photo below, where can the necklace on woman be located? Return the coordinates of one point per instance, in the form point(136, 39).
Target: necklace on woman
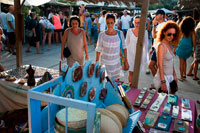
point(111, 32)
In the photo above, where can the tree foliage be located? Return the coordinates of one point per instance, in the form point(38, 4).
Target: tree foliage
point(168, 4)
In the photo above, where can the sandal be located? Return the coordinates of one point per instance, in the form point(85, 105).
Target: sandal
point(181, 79)
point(190, 74)
point(196, 78)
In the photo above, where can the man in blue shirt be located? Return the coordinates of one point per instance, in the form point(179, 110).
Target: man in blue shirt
point(11, 29)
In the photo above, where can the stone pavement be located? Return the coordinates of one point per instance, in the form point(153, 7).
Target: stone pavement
point(50, 59)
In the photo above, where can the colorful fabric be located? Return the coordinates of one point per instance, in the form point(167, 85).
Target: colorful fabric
point(185, 47)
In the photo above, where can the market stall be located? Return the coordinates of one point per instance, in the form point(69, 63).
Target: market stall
point(14, 86)
point(186, 114)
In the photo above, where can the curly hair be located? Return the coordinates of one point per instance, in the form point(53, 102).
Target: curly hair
point(187, 26)
point(165, 27)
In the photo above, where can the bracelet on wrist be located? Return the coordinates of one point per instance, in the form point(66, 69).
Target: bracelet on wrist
point(163, 81)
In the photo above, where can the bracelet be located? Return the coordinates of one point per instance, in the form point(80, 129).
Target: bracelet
point(163, 81)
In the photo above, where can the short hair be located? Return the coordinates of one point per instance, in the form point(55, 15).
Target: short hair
point(66, 13)
point(104, 12)
point(87, 14)
point(110, 15)
point(137, 16)
point(187, 26)
point(165, 27)
point(74, 18)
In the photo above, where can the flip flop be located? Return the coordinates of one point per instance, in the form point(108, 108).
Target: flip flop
point(190, 74)
point(180, 79)
point(196, 78)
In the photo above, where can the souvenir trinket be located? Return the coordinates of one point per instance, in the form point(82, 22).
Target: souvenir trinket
point(167, 109)
point(156, 105)
point(77, 74)
point(180, 126)
point(21, 82)
point(83, 89)
point(172, 99)
point(3, 74)
point(98, 71)
point(186, 114)
point(68, 92)
point(150, 119)
point(102, 77)
point(103, 94)
point(92, 94)
point(46, 77)
point(10, 78)
point(185, 103)
point(152, 130)
point(120, 111)
point(31, 78)
point(164, 123)
point(175, 111)
point(140, 96)
point(148, 99)
point(91, 70)
point(110, 123)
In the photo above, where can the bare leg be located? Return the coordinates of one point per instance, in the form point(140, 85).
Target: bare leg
point(43, 41)
point(28, 48)
point(1, 68)
point(185, 67)
point(56, 38)
point(181, 67)
point(152, 67)
point(195, 69)
point(60, 34)
point(89, 39)
point(38, 47)
point(191, 68)
point(49, 40)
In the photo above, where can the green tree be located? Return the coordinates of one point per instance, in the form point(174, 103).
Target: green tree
point(168, 4)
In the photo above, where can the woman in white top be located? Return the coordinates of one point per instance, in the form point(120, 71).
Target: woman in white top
point(167, 38)
point(108, 48)
point(131, 41)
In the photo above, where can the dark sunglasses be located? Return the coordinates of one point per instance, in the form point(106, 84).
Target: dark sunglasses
point(169, 34)
point(110, 14)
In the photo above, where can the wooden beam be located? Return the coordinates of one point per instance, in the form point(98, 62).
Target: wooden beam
point(18, 43)
point(139, 47)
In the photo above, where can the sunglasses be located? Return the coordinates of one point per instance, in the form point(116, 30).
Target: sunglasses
point(171, 34)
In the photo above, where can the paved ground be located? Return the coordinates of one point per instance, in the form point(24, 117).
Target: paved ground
point(50, 59)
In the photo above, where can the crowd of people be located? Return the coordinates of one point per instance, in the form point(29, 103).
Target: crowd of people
point(115, 39)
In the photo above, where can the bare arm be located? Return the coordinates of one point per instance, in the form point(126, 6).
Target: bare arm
point(64, 39)
point(155, 22)
point(85, 46)
point(97, 56)
point(194, 41)
point(10, 24)
point(160, 54)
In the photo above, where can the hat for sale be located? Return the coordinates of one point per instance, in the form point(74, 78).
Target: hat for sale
point(160, 12)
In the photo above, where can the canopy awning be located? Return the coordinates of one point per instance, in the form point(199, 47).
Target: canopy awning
point(27, 2)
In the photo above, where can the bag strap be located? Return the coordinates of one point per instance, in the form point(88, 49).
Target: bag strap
point(121, 48)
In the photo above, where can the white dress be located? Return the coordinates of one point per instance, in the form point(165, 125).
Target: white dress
point(109, 47)
point(131, 42)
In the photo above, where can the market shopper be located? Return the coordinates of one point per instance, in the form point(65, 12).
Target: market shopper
point(58, 27)
point(187, 45)
point(195, 63)
point(11, 30)
point(102, 22)
point(168, 38)
point(158, 22)
point(95, 28)
point(66, 21)
point(35, 27)
point(108, 48)
point(88, 26)
point(125, 22)
point(131, 41)
point(75, 39)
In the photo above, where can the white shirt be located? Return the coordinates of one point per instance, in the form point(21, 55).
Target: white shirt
point(102, 22)
point(159, 26)
point(125, 22)
point(131, 42)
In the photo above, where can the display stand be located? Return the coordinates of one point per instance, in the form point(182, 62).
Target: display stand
point(66, 86)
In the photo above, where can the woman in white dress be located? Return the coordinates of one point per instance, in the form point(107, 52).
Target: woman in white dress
point(131, 42)
point(108, 48)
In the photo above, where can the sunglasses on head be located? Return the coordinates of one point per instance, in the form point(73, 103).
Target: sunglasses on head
point(110, 14)
point(171, 34)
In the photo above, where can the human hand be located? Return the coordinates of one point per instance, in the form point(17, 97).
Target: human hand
point(163, 87)
point(155, 22)
point(62, 57)
point(86, 57)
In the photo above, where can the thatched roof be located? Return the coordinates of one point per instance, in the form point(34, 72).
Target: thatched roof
point(188, 4)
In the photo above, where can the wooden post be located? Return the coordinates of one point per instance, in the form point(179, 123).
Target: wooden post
point(139, 47)
point(18, 33)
